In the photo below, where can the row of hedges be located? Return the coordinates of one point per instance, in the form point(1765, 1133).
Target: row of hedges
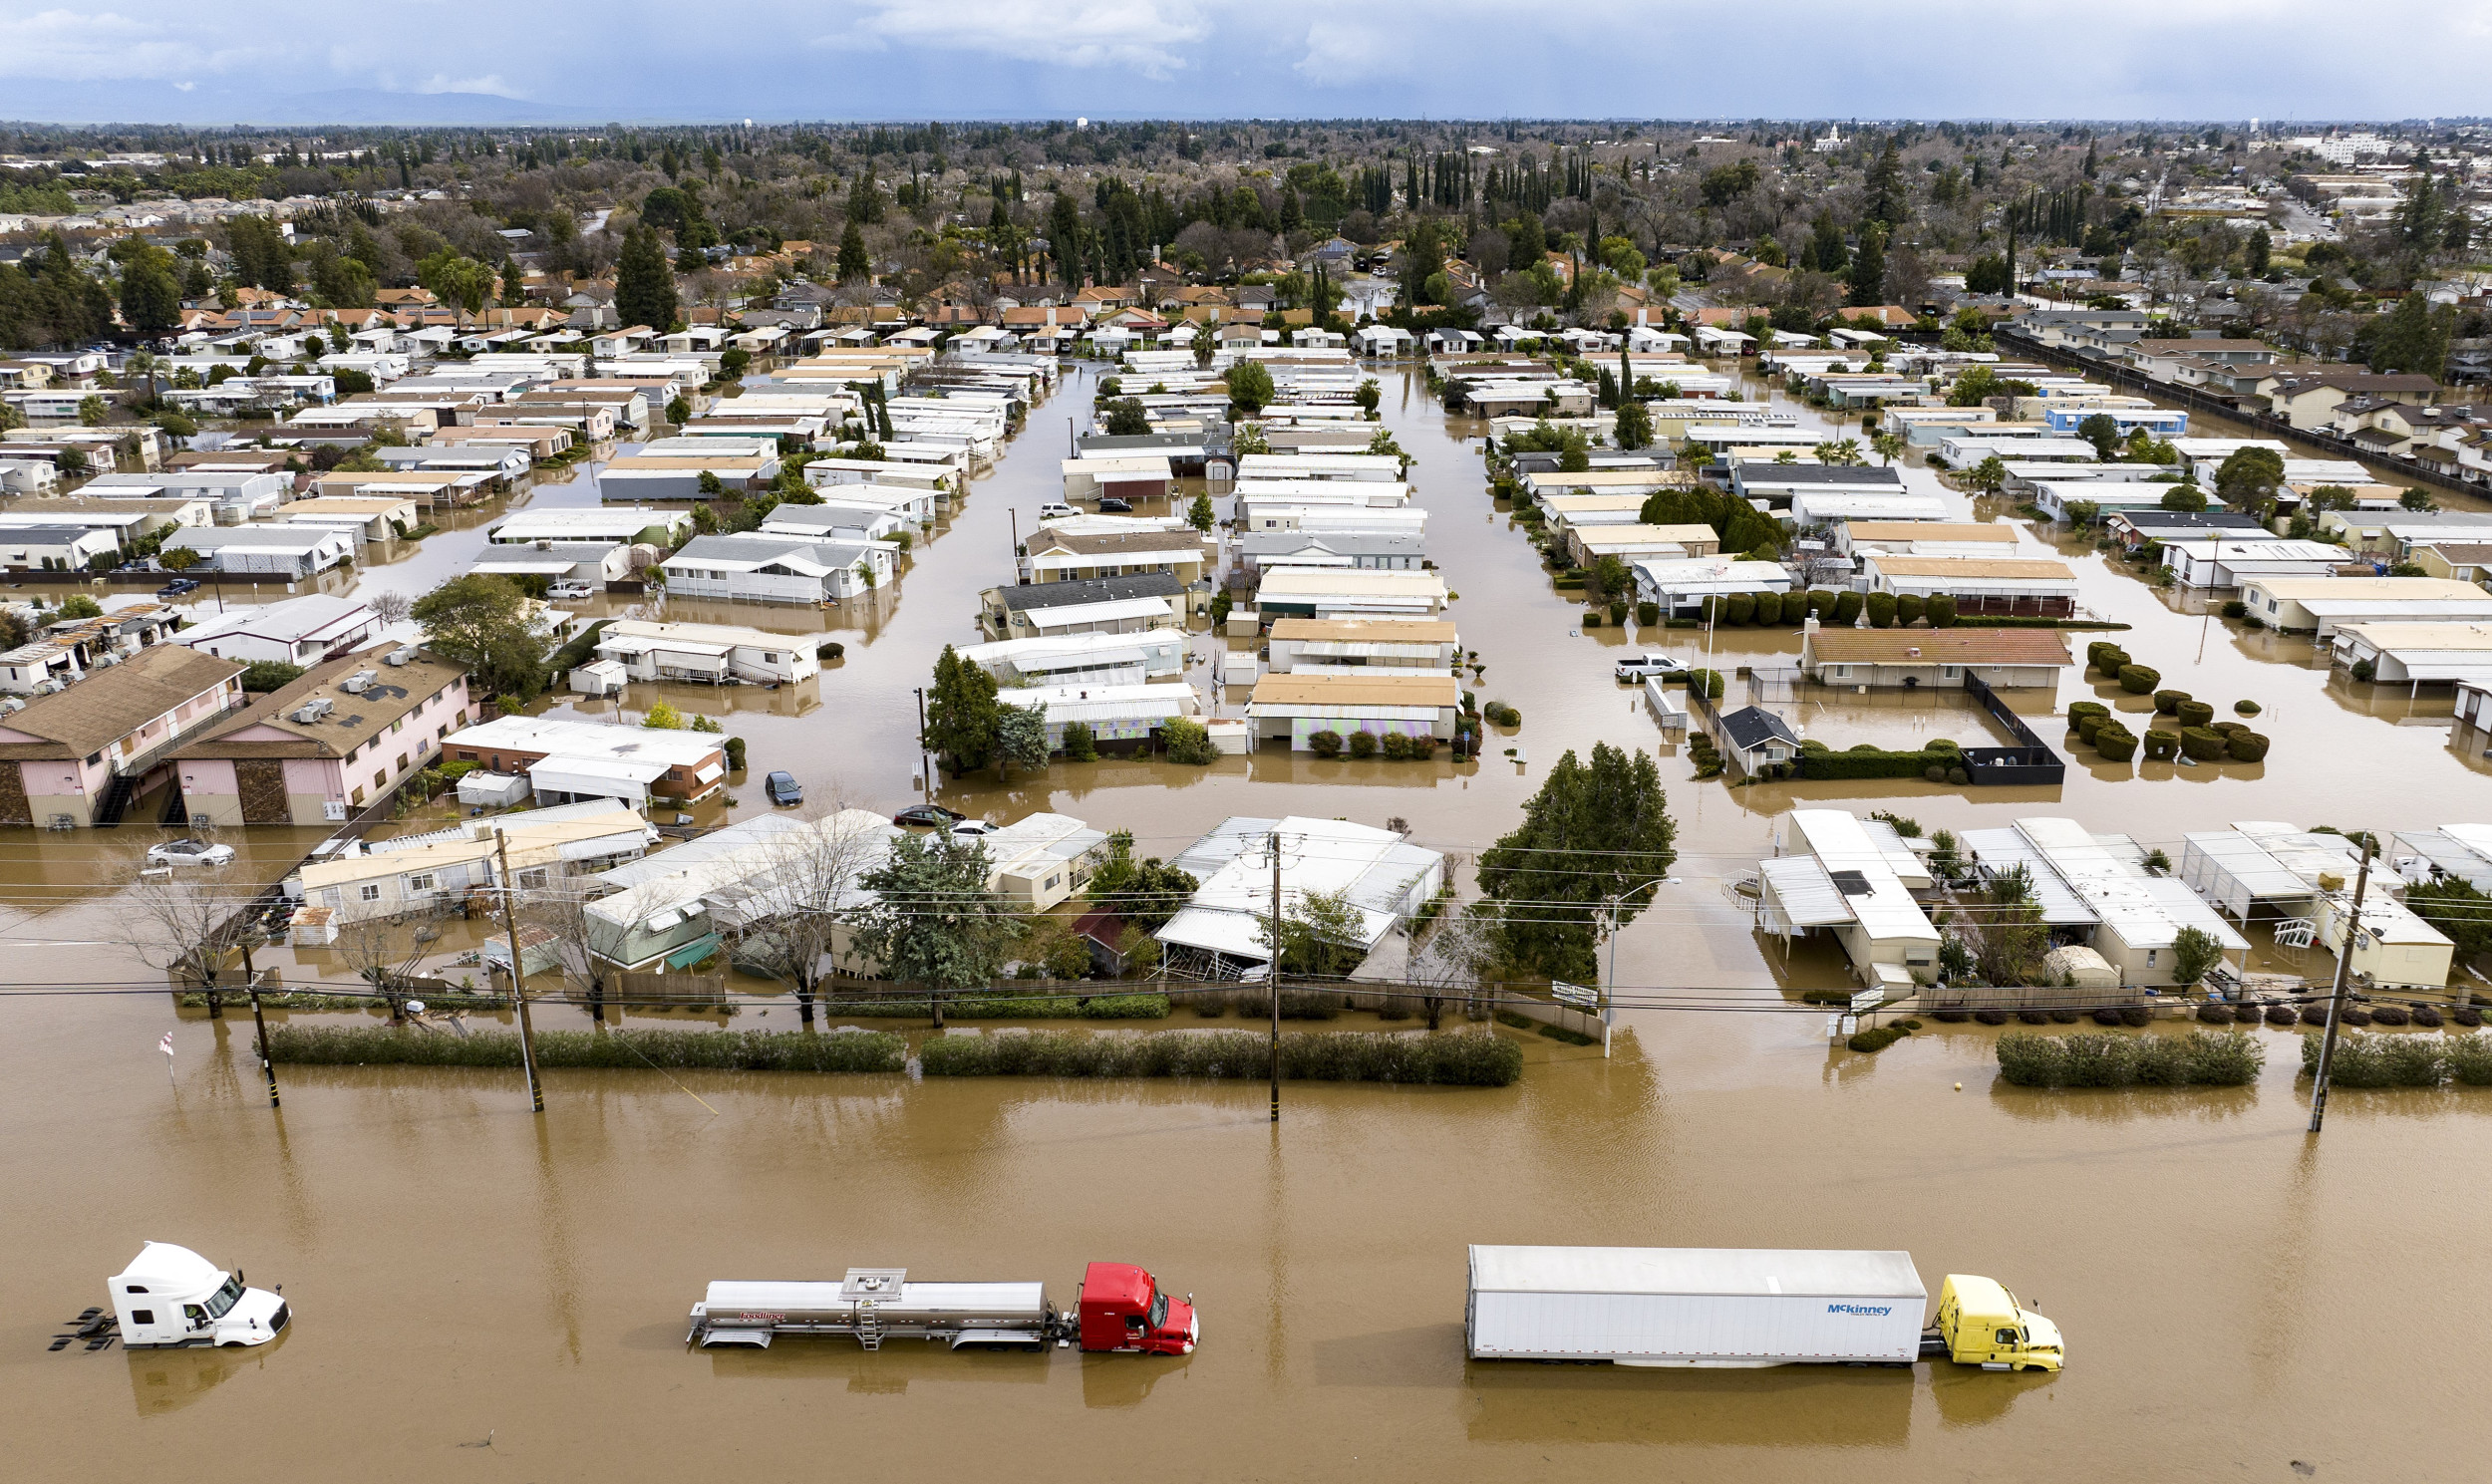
point(2085, 1060)
point(1450, 1060)
point(1868, 761)
point(2403, 1061)
point(2102, 728)
point(1006, 1008)
point(1839, 610)
point(1396, 746)
point(675, 1050)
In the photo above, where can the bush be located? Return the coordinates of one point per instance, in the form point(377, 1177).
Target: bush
point(2247, 708)
point(2216, 1014)
point(2230, 1059)
point(1742, 609)
point(1592, 617)
point(1710, 679)
point(1847, 604)
point(2247, 747)
point(2281, 1014)
point(2365, 669)
point(2430, 1017)
point(1878, 1040)
point(740, 1050)
point(2080, 710)
point(1081, 742)
point(2194, 713)
point(2391, 1015)
point(1396, 746)
point(1934, 773)
point(2090, 727)
point(2469, 1058)
point(2467, 1016)
point(2136, 1015)
point(1189, 742)
point(1867, 761)
point(2236, 609)
point(1501, 714)
point(2201, 744)
point(2138, 680)
point(2378, 1060)
point(1991, 1017)
point(1648, 614)
point(2106, 658)
point(1909, 609)
point(1959, 777)
point(1325, 744)
point(2168, 703)
point(1942, 611)
point(1881, 608)
point(1363, 745)
point(2116, 742)
point(1451, 1058)
point(2161, 745)
point(1821, 601)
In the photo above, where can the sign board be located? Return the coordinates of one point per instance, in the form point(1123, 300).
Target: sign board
point(1867, 1000)
point(1834, 1027)
point(1575, 995)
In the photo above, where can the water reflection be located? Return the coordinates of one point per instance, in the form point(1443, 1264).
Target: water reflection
point(163, 1382)
point(1783, 1406)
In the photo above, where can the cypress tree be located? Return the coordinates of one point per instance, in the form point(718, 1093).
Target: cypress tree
point(644, 283)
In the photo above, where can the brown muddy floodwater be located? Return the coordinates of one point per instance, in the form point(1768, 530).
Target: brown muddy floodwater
point(2237, 1297)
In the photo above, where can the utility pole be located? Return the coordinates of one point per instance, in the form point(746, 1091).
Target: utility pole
point(1274, 978)
point(2336, 1000)
point(259, 1021)
point(519, 992)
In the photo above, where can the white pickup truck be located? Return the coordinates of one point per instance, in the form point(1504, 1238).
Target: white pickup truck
point(1646, 667)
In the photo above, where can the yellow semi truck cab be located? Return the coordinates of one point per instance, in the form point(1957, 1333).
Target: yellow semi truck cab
point(1981, 1323)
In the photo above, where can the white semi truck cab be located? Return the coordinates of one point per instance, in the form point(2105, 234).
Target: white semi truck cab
point(171, 1296)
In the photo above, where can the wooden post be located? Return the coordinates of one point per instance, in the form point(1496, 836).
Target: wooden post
point(259, 1021)
point(519, 991)
point(2336, 1000)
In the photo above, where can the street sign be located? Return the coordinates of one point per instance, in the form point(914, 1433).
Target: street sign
point(1867, 1000)
point(1575, 995)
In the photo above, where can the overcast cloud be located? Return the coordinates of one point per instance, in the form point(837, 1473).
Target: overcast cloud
point(149, 60)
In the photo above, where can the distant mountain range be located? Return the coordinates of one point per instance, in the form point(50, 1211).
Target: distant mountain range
point(159, 102)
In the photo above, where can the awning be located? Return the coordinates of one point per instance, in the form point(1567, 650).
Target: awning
point(694, 951)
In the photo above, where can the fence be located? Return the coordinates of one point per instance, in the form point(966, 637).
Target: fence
point(2013, 998)
point(2030, 761)
point(2265, 422)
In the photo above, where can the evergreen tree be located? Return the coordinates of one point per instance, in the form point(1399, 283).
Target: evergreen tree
point(963, 718)
point(644, 282)
point(854, 265)
point(1596, 839)
point(1869, 267)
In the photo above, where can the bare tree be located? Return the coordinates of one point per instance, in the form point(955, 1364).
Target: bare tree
point(583, 941)
point(792, 918)
point(390, 607)
point(185, 925)
point(1455, 955)
point(384, 953)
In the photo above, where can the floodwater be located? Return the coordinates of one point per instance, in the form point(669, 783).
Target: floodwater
point(485, 1294)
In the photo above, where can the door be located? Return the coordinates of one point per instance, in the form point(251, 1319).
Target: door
point(260, 781)
point(14, 806)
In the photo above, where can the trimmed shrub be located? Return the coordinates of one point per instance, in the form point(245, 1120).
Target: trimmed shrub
point(2161, 745)
point(2216, 1014)
point(1453, 1058)
point(1498, 714)
point(1618, 613)
point(2247, 747)
point(2201, 744)
point(2136, 1015)
point(2098, 649)
point(2355, 1014)
point(1592, 617)
point(2116, 742)
point(2466, 1016)
point(2391, 1015)
point(2247, 708)
point(2377, 1060)
point(1942, 611)
point(1396, 746)
point(1363, 745)
point(2138, 680)
point(2230, 1059)
point(2106, 1017)
point(2236, 608)
point(2034, 1017)
point(2079, 710)
point(2109, 659)
point(2430, 1017)
point(2090, 726)
point(1934, 773)
point(1326, 744)
point(1881, 608)
point(2469, 1058)
point(2314, 1015)
point(2281, 1014)
point(1991, 1017)
point(1711, 680)
point(2247, 1015)
point(673, 1050)
point(1742, 609)
point(1878, 1040)
point(1648, 614)
point(2168, 703)
point(2064, 1016)
point(1951, 1017)
point(2194, 713)
point(1847, 605)
point(1959, 777)
point(1822, 600)
point(1909, 609)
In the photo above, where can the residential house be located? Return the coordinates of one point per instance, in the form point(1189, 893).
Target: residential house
point(1222, 931)
point(1756, 739)
point(1042, 860)
point(1303, 701)
point(291, 552)
point(2095, 889)
point(2015, 586)
point(1120, 715)
point(577, 760)
point(1932, 658)
point(1050, 555)
point(1853, 879)
point(2220, 561)
point(1105, 659)
point(673, 907)
point(2323, 605)
point(435, 872)
point(1099, 605)
point(66, 650)
point(707, 654)
point(81, 756)
point(303, 632)
point(2310, 400)
point(760, 567)
point(1680, 585)
point(342, 735)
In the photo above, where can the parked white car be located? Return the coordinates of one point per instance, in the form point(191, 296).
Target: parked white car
point(1056, 511)
point(970, 829)
point(569, 592)
point(189, 853)
point(1644, 667)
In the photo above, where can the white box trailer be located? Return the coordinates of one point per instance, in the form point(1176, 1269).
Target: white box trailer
point(1693, 1306)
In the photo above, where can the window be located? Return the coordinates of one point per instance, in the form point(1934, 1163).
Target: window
point(419, 883)
point(370, 891)
point(143, 1315)
point(380, 778)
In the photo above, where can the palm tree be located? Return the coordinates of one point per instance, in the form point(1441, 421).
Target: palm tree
point(1888, 446)
point(143, 363)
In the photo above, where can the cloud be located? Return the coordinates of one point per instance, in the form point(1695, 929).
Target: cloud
point(105, 46)
point(490, 83)
point(1352, 51)
point(1149, 37)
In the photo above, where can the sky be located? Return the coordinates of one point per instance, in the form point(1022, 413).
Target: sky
point(551, 61)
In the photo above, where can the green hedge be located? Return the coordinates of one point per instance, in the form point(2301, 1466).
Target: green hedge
point(1453, 1058)
point(2138, 680)
point(2203, 745)
point(2079, 710)
point(2088, 1059)
point(1010, 1008)
point(2168, 703)
point(2247, 747)
point(2403, 1061)
point(2161, 745)
point(741, 1051)
point(2116, 742)
point(1876, 763)
point(2194, 713)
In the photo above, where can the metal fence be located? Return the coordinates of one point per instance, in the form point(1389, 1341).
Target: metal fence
point(2030, 761)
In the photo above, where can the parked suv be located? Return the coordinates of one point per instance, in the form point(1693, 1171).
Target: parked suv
point(1644, 667)
point(783, 789)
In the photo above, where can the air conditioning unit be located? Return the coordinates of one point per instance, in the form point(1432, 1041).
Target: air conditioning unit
point(398, 657)
point(360, 681)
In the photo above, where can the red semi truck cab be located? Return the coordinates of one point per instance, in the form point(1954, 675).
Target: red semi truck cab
point(1122, 1309)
